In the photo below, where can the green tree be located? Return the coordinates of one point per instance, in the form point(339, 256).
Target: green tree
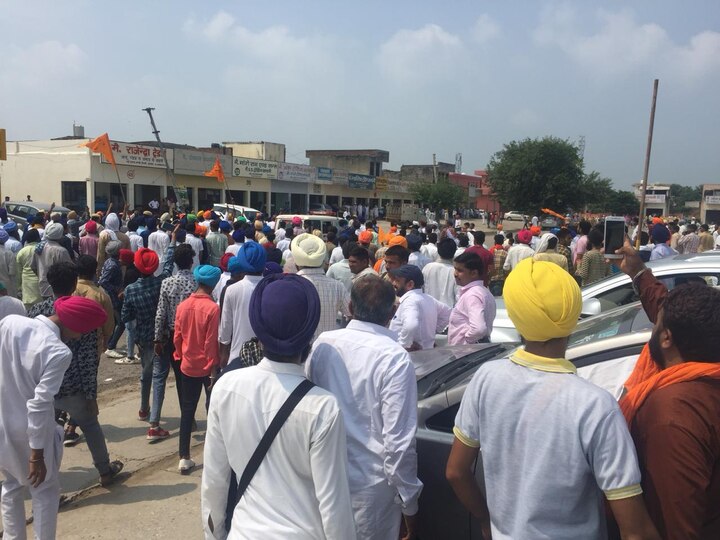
point(680, 195)
point(443, 194)
point(596, 192)
point(621, 203)
point(537, 173)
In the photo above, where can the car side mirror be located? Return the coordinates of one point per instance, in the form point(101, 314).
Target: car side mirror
point(591, 306)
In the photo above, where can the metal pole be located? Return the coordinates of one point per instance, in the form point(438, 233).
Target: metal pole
point(434, 170)
point(168, 171)
point(643, 188)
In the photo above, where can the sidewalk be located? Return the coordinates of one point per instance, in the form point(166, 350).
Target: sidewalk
point(88, 510)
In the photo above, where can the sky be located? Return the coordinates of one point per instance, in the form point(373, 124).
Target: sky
point(415, 78)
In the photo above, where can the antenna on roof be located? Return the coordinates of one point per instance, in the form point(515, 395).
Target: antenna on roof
point(458, 162)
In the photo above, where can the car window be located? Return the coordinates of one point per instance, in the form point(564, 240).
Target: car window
point(609, 325)
point(625, 294)
point(444, 420)
point(11, 209)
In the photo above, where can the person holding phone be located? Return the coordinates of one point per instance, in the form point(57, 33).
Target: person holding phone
point(593, 266)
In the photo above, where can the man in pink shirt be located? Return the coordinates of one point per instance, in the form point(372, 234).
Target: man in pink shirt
point(472, 317)
point(197, 323)
point(582, 244)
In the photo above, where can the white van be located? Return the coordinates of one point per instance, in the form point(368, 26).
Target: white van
point(314, 222)
point(224, 209)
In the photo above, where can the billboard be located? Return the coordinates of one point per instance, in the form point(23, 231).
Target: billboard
point(254, 168)
point(361, 181)
point(138, 155)
point(195, 162)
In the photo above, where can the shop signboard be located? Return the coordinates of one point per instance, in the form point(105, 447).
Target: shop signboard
point(324, 175)
point(712, 199)
point(295, 172)
point(361, 181)
point(196, 162)
point(138, 155)
point(381, 183)
point(654, 198)
point(340, 177)
point(254, 168)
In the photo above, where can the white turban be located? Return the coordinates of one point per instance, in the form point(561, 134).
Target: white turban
point(308, 250)
point(54, 231)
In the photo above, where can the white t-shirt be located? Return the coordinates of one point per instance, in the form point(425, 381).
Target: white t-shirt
point(235, 326)
point(552, 443)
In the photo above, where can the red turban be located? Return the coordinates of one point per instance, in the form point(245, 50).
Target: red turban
point(535, 230)
point(207, 214)
point(91, 227)
point(146, 261)
point(365, 237)
point(80, 314)
point(127, 257)
point(224, 261)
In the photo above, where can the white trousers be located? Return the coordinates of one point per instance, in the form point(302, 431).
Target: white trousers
point(377, 513)
point(45, 502)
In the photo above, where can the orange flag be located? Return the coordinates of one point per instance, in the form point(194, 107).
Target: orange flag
point(101, 145)
point(216, 171)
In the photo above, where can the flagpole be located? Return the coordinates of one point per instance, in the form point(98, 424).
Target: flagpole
point(122, 191)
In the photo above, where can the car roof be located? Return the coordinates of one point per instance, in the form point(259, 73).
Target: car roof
point(40, 205)
point(287, 217)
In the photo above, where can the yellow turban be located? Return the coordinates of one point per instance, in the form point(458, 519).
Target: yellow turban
point(542, 300)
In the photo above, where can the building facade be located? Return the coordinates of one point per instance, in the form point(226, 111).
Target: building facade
point(480, 194)
point(710, 204)
point(657, 200)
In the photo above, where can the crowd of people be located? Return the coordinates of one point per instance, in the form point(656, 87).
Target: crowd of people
point(300, 340)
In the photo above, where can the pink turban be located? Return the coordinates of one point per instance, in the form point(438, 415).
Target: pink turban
point(524, 236)
point(80, 314)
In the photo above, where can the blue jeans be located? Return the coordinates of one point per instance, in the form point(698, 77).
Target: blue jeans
point(161, 368)
point(117, 332)
point(130, 327)
point(147, 355)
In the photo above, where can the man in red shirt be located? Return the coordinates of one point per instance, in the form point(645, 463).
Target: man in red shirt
point(197, 323)
point(485, 255)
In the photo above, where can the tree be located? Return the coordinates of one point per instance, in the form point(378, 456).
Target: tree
point(443, 194)
point(537, 173)
point(596, 192)
point(680, 195)
point(621, 203)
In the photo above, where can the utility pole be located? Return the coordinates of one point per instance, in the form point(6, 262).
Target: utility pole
point(434, 170)
point(643, 189)
point(168, 171)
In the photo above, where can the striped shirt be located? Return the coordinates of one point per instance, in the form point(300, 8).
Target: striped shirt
point(334, 298)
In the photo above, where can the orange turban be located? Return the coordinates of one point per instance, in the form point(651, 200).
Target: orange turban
point(398, 240)
point(365, 237)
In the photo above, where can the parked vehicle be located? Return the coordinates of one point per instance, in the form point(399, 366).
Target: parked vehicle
point(548, 222)
point(19, 211)
point(313, 222)
point(617, 290)
point(512, 215)
point(603, 348)
point(236, 210)
point(320, 209)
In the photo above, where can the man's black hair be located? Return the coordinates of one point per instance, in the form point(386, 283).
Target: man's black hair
point(471, 261)
point(398, 251)
point(86, 266)
point(691, 312)
point(360, 252)
point(347, 248)
point(184, 256)
point(62, 277)
point(446, 248)
point(595, 238)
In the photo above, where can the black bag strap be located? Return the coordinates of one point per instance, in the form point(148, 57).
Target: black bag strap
point(262, 448)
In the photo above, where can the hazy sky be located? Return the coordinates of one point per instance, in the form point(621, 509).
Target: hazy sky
point(411, 77)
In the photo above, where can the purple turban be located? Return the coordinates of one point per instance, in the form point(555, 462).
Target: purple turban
point(284, 313)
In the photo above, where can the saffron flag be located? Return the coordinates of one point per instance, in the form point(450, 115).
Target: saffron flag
point(216, 171)
point(101, 145)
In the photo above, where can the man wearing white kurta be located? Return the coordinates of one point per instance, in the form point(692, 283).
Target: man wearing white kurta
point(33, 360)
point(419, 316)
point(373, 379)
point(300, 489)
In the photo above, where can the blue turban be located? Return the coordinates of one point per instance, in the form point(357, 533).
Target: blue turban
point(225, 226)
point(181, 236)
point(284, 313)
point(10, 226)
point(266, 229)
point(659, 233)
point(4, 236)
point(250, 259)
point(272, 268)
point(414, 241)
point(151, 223)
point(238, 236)
point(207, 275)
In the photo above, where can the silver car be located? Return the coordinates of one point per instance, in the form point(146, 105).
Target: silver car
point(19, 211)
point(616, 290)
point(604, 349)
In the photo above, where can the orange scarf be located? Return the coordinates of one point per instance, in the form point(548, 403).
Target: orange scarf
point(647, 377)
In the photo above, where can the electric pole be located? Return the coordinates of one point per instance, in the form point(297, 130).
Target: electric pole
point(168, 171)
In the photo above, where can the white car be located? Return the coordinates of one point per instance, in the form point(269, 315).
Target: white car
point(514, 216)
point(616, 290)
